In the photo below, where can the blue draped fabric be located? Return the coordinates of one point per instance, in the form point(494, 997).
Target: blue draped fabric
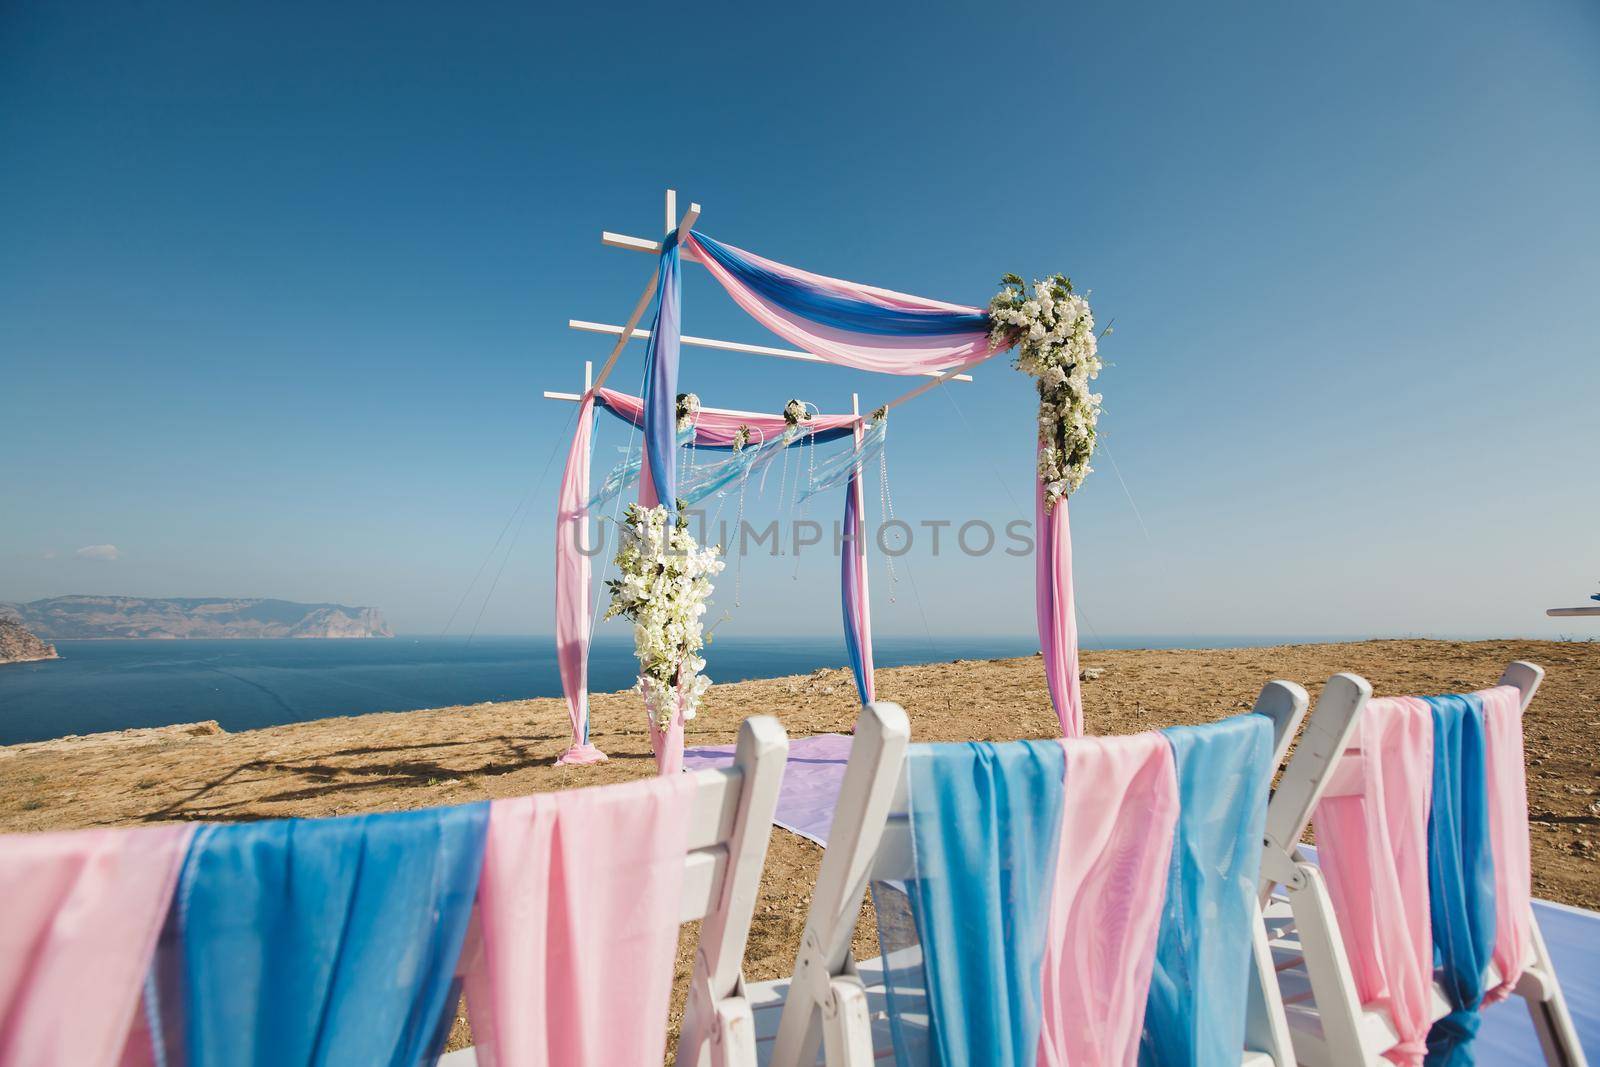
point(1195, 1015)
point(831, 308)
point(323, 942)
point(985, 822)
point(1460, 874)
point(852, 591)
point(661, 379)
point(839, 468)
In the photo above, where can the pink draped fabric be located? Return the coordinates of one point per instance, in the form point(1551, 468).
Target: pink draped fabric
point(667, 745)
point(716, 430)
point(1118, 815)
point(578, 906)
point(82, 911)
point(883, 354)
point(1058, 620)
point(572, 588)
point(1508, 835)
point(1372, 844)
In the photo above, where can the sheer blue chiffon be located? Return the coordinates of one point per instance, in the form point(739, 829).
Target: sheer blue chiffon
point(322, 942)
point(661, 378)
point(1460, 874)
point(985, 822)
point(1195, 1015)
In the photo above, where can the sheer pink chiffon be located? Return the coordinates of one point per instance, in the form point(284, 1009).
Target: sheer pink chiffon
point(1372, 846)
point(578, 906)
point(572, 588)
point(1118, 816)
point(1057, 615)
point(1508, 835)
point(716, 430)
point(81, 914)
point(883, 354)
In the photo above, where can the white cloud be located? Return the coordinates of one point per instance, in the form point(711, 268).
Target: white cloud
point(49, 553)
point(105, 552)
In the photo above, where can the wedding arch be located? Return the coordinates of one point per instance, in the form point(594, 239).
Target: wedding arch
point(665, 575)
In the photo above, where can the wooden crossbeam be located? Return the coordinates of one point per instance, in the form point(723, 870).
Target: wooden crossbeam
point(732, 346)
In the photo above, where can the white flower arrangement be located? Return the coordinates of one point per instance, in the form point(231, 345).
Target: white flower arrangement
point(688, 410)
point(663, 588)
point(741, 437)
point(1053, 330)
point(794, 413)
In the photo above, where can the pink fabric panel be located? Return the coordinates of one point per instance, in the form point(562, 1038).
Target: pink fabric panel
point(1508, 834)
point(1118, 815)
point(885, 355)
point(82, 911)
point(667, 745)
point(1372, 844)
point(578, 906)
point(717, 430)
point(572, 587)
point(1057, 614)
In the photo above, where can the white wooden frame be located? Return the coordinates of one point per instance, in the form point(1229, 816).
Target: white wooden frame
point(630, 330)
point(826, 1002)
point(1328, 1023)
point(730, 825)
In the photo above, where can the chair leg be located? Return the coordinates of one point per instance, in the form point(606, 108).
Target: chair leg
point(846, 1025)
point(1558, 1037)
point(734, 1043)
point(1266, 1027)
point(1332, 984)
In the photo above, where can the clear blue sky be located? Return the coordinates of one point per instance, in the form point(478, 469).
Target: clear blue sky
point(281, 285)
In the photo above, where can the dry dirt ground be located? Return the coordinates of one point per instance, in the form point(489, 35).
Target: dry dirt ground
point(451, 755)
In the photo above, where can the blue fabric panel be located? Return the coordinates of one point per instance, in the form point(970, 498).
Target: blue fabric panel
point(1460, 874)
point(828, 308)
point(985, 823)
point(850, 562)
point(324, 942)
point(661, 378)
point(1198, 990)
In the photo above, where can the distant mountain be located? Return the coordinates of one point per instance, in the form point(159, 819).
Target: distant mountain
point(18, 645)
point(68, 617)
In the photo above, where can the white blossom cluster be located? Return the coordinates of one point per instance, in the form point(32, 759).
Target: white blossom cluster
point(794, 413)
point(741, 437)
point(664, 584)
point(1053, 330)
point(688, 410)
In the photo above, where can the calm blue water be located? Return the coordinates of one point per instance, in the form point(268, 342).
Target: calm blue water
point(115, 685)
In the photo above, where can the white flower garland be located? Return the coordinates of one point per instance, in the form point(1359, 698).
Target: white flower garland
point(1053, 330)
point(664, 584)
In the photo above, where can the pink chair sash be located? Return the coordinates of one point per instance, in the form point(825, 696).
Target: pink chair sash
point(1372, 844)
point(1119, 811)
point(81, 914)
point(578, 905)
point(1508, 836)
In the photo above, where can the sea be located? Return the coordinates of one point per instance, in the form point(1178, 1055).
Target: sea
point(247, 684)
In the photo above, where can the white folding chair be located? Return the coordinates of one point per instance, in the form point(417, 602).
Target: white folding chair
point(728, 834)
point(832, 1004)
point(1328, 1023)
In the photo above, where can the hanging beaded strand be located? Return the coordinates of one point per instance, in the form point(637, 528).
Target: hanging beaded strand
point(885, 516)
